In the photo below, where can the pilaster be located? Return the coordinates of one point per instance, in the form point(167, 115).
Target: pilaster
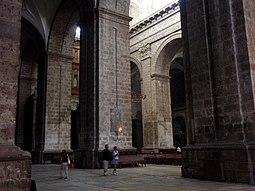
point(114, 76)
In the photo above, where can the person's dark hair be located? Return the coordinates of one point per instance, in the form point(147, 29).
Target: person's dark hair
point(106, 145)
point(63, 151)
point(115, 147)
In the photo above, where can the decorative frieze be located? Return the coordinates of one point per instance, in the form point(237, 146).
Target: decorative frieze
point(161, 14)
point(145, 51)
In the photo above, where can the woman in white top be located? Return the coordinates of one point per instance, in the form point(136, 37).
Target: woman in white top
point(115, 160)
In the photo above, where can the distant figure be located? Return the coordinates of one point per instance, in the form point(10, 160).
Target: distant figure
point(64, 165)
point(115, 160)
point(179, 150)
point(106, 159)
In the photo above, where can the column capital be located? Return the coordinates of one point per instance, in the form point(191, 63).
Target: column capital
point(156, 76)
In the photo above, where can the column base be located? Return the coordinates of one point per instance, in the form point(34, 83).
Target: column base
point(86, 158)
point(229, 162)
point(15, 168)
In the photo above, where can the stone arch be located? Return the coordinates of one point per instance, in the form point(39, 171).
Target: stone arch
point(30, 121)
point(32, 15)
point(179, 54)
point(138, 64)
point(177, 84)
point(136, 97)
point(165, 54)
point(161, 62)
point(60, 57)
point(63, 28)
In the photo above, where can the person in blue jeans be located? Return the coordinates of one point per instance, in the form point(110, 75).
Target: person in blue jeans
point(115, 161)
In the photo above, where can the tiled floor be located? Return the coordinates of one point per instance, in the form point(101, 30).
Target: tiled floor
point(150, 178)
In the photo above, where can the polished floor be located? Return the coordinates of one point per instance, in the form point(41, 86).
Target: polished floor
point(150, 178)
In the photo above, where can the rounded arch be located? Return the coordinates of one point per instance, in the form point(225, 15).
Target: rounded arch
point(32, 14)
point(63, 28)
point(61, 44)
point(177, 85)
point(138, 64)
point(177, 63)
point(30, 120)
point(40, 14)
point(165, 54)
point(179, 54)
point(136, 96)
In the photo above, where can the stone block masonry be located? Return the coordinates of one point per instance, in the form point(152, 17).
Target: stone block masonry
point(15, 164)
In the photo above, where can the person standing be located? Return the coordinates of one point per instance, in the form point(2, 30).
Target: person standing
point(106, 159)
point(64, 165)
point(115, 160)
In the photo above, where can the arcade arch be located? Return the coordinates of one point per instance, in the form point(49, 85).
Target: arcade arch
point(136, 98)
point(29, 129)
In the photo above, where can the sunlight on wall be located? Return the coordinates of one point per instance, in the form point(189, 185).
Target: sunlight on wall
point(140, 9)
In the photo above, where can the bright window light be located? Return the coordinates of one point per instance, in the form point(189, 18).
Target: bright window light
point(77, 34)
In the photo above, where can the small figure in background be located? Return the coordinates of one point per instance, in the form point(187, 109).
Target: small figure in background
point(115, 160)
point(106, 159)
point(64, 165)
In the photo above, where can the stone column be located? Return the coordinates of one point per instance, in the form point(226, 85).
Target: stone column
point(15, 164)
point(86, 156)
point(219, 53)
point(114, 75)
point(58, 103)
point(158, 132)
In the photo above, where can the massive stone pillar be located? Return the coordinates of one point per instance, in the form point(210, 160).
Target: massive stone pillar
point(161, 110)
point(86, 156)
point(219, 59)
point(114, 75)
point(157, 117)
point(58, 112)
point(59, 78)
point(105, 85)
point(157, 113)
point(15, 164)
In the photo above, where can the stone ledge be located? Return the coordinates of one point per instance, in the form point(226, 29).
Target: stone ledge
point(13, 153)
point(221, 146)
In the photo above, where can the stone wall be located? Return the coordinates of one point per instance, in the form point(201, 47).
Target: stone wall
point(152, 48)
point(114, 75)
point(15, 165)
point(60, 57)
point(221, 93)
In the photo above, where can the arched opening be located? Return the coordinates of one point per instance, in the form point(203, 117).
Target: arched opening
point(63, 80)
point(136, 96)
point(170, 50)
point(30, 118)
point(177, 84)
point(178, 102)
point(75, 130)
point(71, 113)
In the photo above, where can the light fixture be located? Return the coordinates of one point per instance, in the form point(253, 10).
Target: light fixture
point(118, 131)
